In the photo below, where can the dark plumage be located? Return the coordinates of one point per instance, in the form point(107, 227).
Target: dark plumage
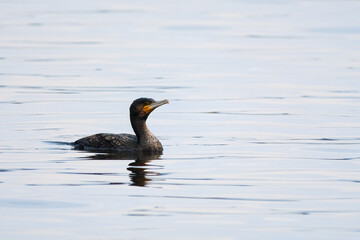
point(142, 141)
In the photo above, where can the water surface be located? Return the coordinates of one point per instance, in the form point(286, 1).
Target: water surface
point(261, 135)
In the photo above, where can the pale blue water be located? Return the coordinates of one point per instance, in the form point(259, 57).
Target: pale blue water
point(261, 135)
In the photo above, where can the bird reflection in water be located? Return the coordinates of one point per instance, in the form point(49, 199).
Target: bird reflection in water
point(139, 169)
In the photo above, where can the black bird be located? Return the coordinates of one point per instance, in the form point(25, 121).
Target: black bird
point(142, 141)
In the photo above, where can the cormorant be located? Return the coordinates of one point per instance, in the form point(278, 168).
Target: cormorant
point(142, 141)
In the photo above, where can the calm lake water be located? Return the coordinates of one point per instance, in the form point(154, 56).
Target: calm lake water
point(261, 136)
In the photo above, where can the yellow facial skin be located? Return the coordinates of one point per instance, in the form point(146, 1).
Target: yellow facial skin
point(149, 107)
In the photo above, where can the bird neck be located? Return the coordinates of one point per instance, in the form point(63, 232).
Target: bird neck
point(142, 132)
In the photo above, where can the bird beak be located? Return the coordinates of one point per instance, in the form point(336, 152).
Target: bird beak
point(151, 107)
